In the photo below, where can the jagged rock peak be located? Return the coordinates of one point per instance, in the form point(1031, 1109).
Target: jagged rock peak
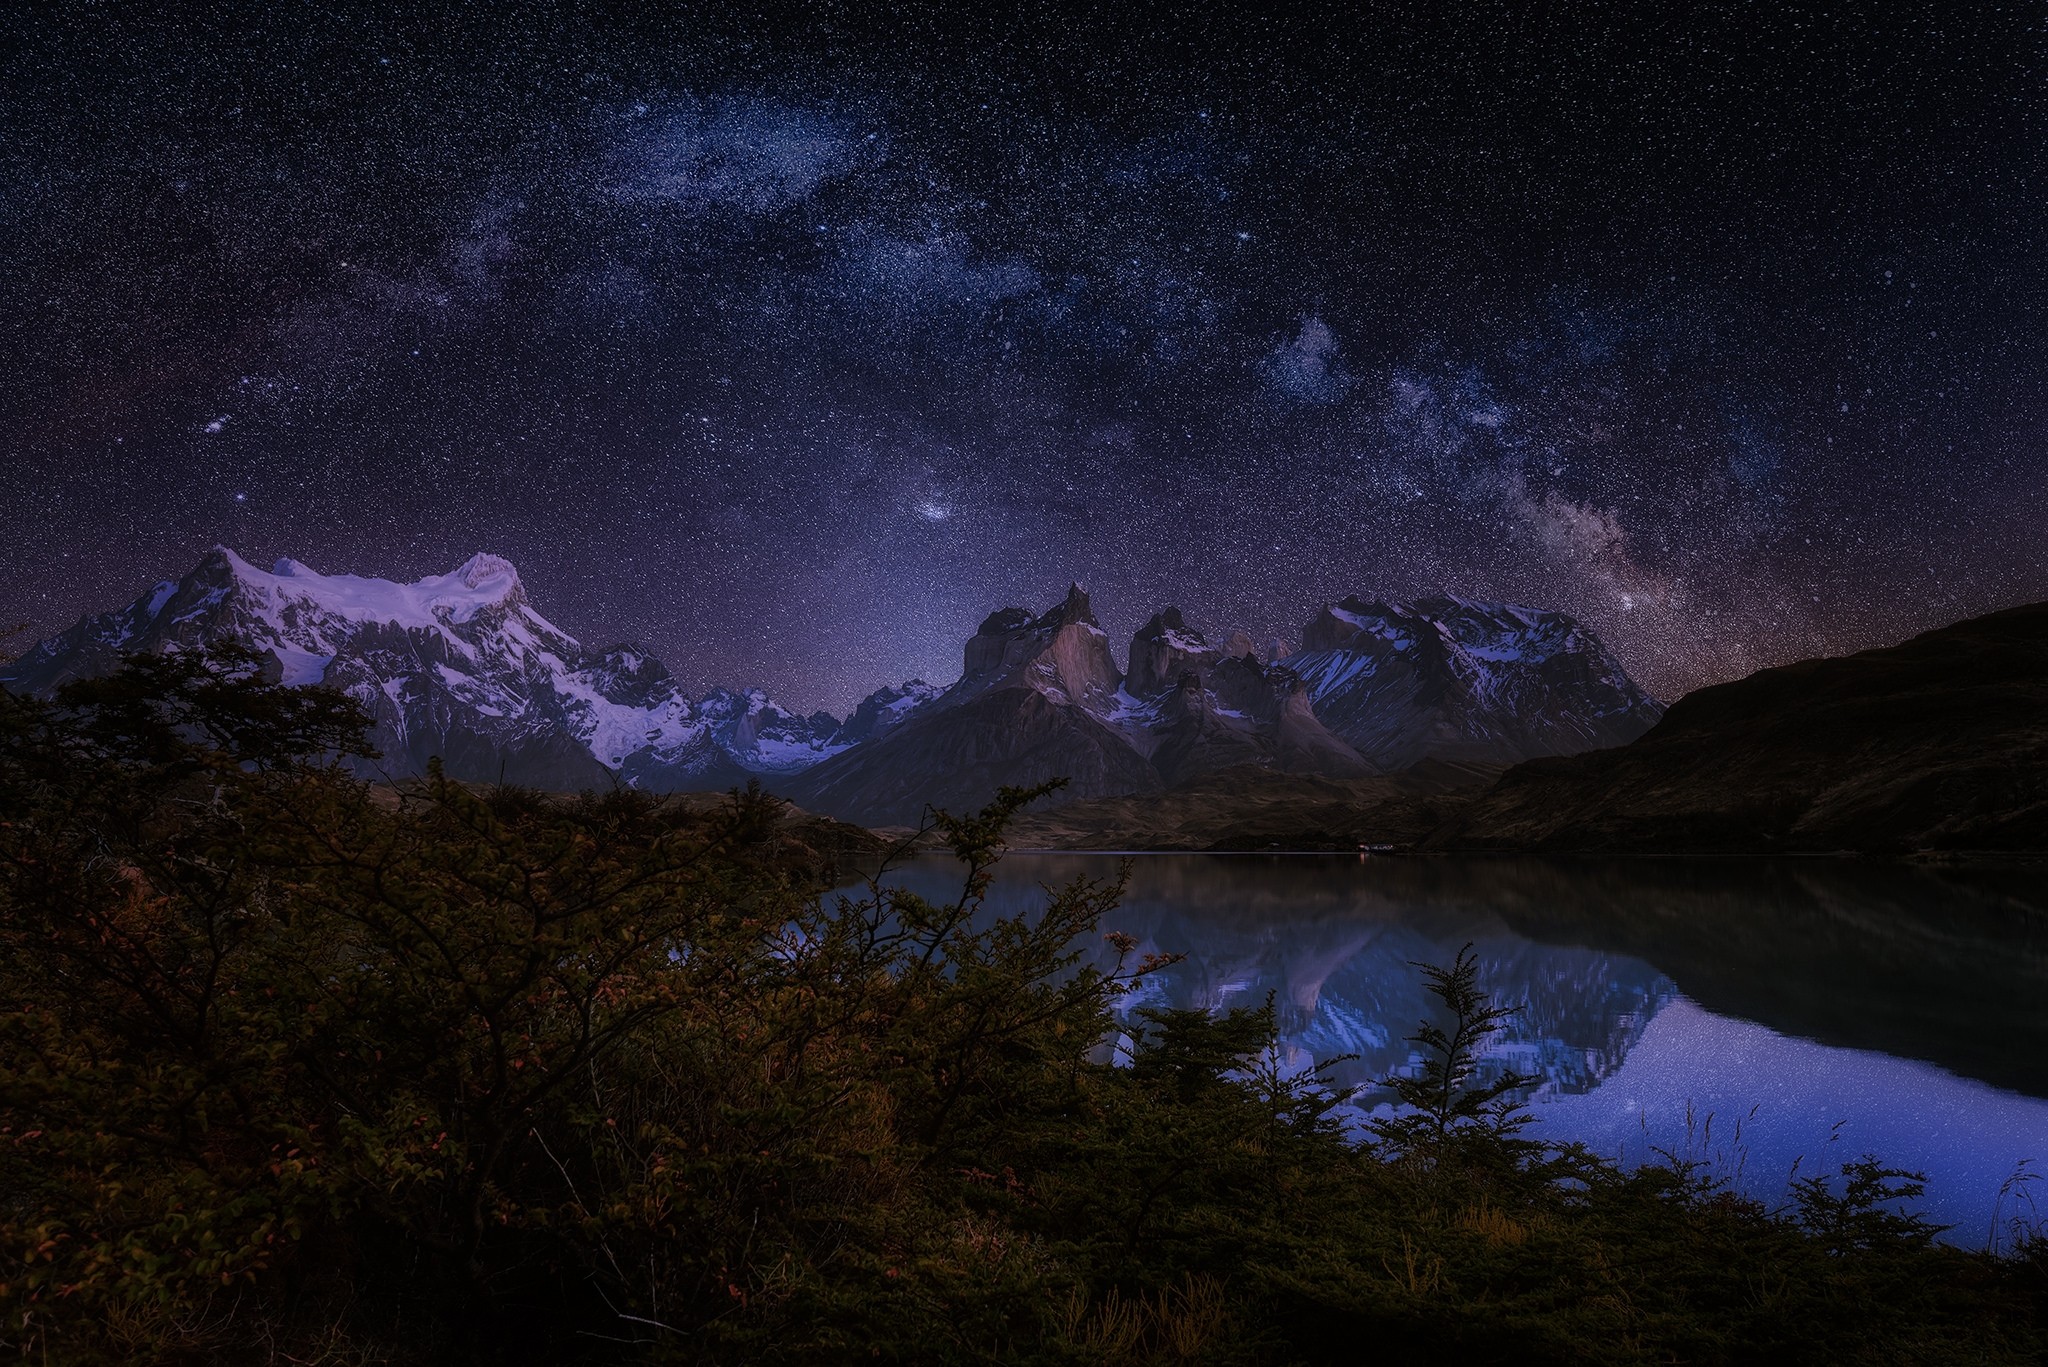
point(1165, 620)
point(483, 567)
point(630, 670)
point(1061, 652)
point(1237, 643)
point(1003, 621)
point(883, 710)
point(1336, 625)
point(1163, 652)
point(218, 566)
point(1075, 608)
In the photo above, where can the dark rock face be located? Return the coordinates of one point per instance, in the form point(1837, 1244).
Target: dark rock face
point(1029, 707)
point(956, 755)
point(1202, 708)
point(1241, 684)
point(630, 674)
point(1302, 744)
point(1247, 713)
point(1163, 650)
point(1449, 679)
point(1939, 743)
point(1193, 736)
point(1062, 653)
point(427, 699)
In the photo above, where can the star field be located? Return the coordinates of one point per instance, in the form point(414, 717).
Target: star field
point(791, 344)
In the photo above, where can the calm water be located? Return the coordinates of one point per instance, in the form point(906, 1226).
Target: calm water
point(1831, 1008)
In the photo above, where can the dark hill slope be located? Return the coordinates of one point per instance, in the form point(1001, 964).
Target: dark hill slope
point(955, 757)
point(1939, 743)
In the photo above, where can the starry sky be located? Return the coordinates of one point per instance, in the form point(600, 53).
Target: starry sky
point(793, 342)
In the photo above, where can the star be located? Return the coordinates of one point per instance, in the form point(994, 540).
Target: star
point(693, 327)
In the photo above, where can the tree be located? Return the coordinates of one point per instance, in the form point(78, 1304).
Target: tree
point(1446, 1109)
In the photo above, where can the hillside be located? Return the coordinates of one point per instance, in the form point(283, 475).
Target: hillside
point(1940, 743)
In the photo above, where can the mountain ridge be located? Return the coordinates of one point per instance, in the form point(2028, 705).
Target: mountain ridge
point(1040, 696)
point(463, 666)
point(459, 666)
point(1937, 743)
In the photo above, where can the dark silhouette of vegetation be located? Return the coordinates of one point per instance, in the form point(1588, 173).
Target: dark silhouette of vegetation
point(1447, 1111)
point(297, 1069)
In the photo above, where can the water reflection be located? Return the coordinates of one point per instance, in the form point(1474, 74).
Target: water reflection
point(1909, 1005)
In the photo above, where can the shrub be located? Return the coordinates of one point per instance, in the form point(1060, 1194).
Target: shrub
point(297, 1069)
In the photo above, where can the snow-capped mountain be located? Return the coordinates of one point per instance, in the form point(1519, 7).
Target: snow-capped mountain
point(1374, 689)
point(1448, 678)
point(459, 666)
point(883, 710)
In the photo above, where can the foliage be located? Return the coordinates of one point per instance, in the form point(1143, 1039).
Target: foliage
point(297, 1069)
point(1447, 1112)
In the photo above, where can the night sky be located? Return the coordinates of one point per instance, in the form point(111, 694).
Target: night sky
point(793, 344)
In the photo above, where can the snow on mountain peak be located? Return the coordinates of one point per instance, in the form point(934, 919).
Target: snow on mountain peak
point(483, 569)
point(457, 665)
point(435, 602)
point(1462, 678)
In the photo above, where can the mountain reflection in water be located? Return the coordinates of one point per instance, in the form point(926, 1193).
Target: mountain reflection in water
point(1831, 1007)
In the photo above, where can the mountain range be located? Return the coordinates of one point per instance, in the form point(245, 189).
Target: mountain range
point(1379, 687)
point(459, 666)
point(462, 666)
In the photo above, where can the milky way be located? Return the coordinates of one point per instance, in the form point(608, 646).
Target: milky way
point(792, 347)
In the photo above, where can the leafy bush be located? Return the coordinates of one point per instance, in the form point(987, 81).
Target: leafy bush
point(293, 1068)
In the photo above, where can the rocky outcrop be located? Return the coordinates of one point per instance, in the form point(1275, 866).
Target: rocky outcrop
point(1062, 653)
point(883, 710)
point(1162, 651)
point(1241, 712)
point(1030, 706)
point(1192, 735)
point(1301, 743)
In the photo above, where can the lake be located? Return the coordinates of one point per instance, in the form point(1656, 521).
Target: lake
point(1750, 1013)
